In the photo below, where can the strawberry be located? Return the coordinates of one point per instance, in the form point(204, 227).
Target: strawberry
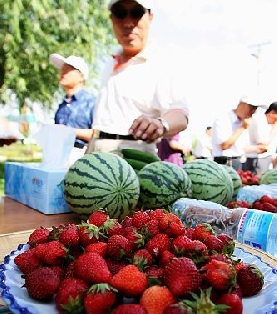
point(129, 281)
point(172, 225)
point(219, 275)
point(70, 236)
point(135, 238)
point(98, 218)
point(139, 219)
point(70, 295)
point(165, 257)
point(177, 308)
point(159, 243)
point(98, 273)
point(27, 261)
point(151, 228)
point(269, 207)
point(142, 258)
point(88, 234)
point(98, 247)
point(99, 299)
point(250, 279)
point(228, 243)
point(197, 251)
point(202, 231)
point(118, 246)
point(51, 253)
point(131, 308)
point(156, 298)
point(214, 244)
point(182, 276)
point(114, 265)
point(154, 273)
point(42, 283)
point(38, 236)
point(233, 301)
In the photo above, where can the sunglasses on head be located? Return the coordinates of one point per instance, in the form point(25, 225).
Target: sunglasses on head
point(121, 13)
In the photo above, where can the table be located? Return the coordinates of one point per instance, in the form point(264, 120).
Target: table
point(17, 221)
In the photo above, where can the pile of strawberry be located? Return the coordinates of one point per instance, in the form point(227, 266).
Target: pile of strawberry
point(264, 203)
point(149, 263)
point(248, 177)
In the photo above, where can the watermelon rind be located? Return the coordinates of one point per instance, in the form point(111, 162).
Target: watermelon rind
point(162, 183)
point(101, 180)
point(210, 181)
point(268, 177)
point(236, 179)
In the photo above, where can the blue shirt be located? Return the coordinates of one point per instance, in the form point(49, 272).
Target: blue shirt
point(77, 113)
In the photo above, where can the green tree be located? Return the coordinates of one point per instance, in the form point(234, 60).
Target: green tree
point(32, 29)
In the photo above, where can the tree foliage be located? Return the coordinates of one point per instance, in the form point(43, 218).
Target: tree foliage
point(32, 29)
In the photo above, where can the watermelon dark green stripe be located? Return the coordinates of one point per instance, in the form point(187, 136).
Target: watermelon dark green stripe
point(210, 181)
point(101, 180)
point(161, 183)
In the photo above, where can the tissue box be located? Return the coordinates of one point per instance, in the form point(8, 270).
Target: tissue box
point(251, 193)
point(37, 187)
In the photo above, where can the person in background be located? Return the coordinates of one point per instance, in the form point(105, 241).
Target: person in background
point(229, 135)
point(262, 140)
point(141, 97)
point(171, 150)
point(76, 109)
point(203, 146)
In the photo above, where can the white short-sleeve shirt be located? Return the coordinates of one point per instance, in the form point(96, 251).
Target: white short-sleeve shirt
point(223, 127)
point(148, 84)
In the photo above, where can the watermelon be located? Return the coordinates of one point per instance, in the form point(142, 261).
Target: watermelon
point(236, 179)
point(268, 177)
point(101, 180)
point(162, 183)
point(210, 181)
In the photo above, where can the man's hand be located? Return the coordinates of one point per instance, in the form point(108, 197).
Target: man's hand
point(146, 129)
point(246, 123)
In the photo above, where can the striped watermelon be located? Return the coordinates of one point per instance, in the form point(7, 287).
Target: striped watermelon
point(101, 180)
point(210, 181)
point(162, 183)
point(268, 177)
point(236, 179)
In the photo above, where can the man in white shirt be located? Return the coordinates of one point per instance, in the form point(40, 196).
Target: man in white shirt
point(229, 135)
point(262, 140)
point(203, 147)
point(140, 98)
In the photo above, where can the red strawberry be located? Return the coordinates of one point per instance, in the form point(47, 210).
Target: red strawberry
point(154, 272)
point(131, 308)
point(202, 231)
point(228, 243)
point(98, 218)
point(142, 258)
point(233, 301)
point(27, 261)
point(92, 267)
point(88, 234)
point(177, 308)
point(135, 238)
point(118, 246)
point(139, 219)
point(114, 265)
point(250, 279)
point(99, 299)
point(214, 244)
point(98, 247)
point(42, 283)
point(156, 298)
point(51, 253)
point(38, 236)
point(172, 225)
point(151, 228)
point(165, 257)
point(70, 295)
point(70, 236)
point(156, 214)
point(182, 276)
point(159, 243)
point(219, 275)
point(129, 281)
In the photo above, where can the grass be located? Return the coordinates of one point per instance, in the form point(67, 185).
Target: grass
point(19, 153)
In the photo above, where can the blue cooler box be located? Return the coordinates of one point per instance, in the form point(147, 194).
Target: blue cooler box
point(35, 186)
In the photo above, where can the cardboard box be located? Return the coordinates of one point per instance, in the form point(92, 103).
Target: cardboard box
point(37, 187)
